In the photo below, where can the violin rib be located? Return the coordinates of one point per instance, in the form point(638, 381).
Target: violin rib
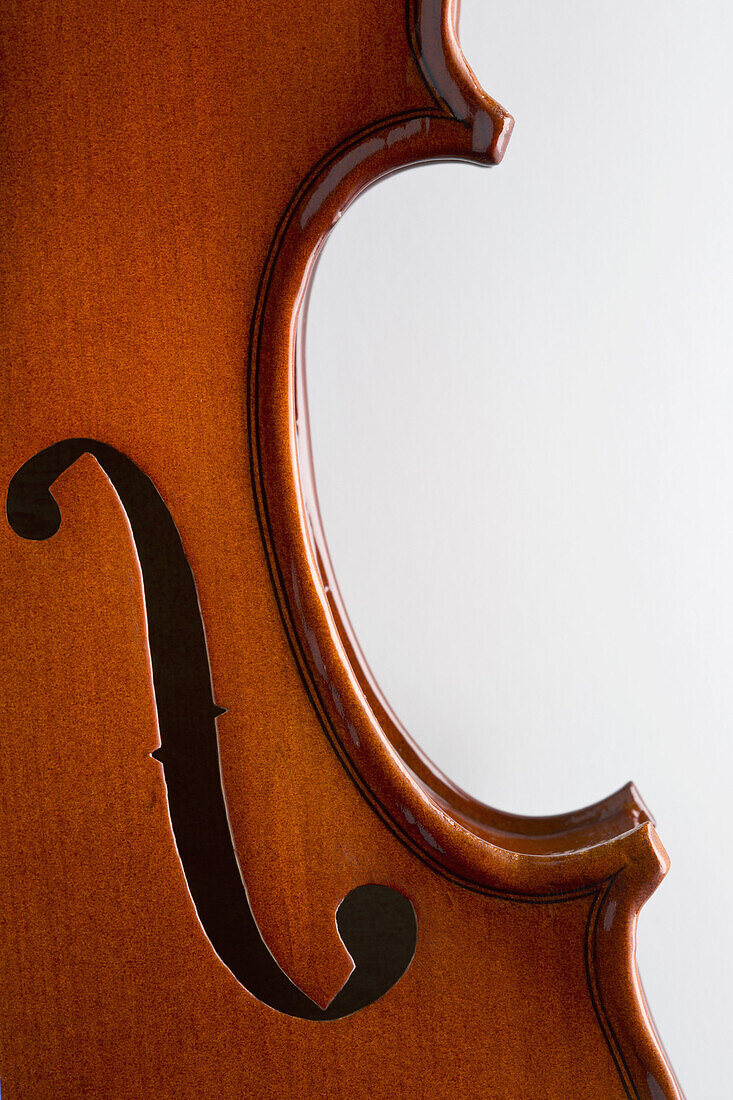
point(226, 869)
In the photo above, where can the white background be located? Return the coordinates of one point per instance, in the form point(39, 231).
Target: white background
point(521, 394)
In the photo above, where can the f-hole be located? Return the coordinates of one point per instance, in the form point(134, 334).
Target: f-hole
point(376, 923)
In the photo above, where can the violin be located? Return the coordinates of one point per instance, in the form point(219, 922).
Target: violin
point(226, 870)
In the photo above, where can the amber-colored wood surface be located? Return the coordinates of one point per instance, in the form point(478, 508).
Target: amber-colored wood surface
point(169, 173)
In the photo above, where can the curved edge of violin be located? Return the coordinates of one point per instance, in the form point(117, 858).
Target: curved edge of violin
point(433, 30)
point(608, 852)
point(430, 815)
point(613, 978)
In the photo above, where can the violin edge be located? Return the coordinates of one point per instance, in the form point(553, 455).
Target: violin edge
point(432, 27)
point(414, 805)
point(619, 871)
point(613, 978)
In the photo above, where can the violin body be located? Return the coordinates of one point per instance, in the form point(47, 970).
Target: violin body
point(225, 869)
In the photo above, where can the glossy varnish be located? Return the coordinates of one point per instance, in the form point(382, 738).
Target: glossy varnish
point(169, 173)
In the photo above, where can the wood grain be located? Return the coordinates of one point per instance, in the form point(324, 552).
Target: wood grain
point(169, 174)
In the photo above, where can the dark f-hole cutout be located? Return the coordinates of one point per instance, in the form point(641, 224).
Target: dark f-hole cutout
point(376, 923)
